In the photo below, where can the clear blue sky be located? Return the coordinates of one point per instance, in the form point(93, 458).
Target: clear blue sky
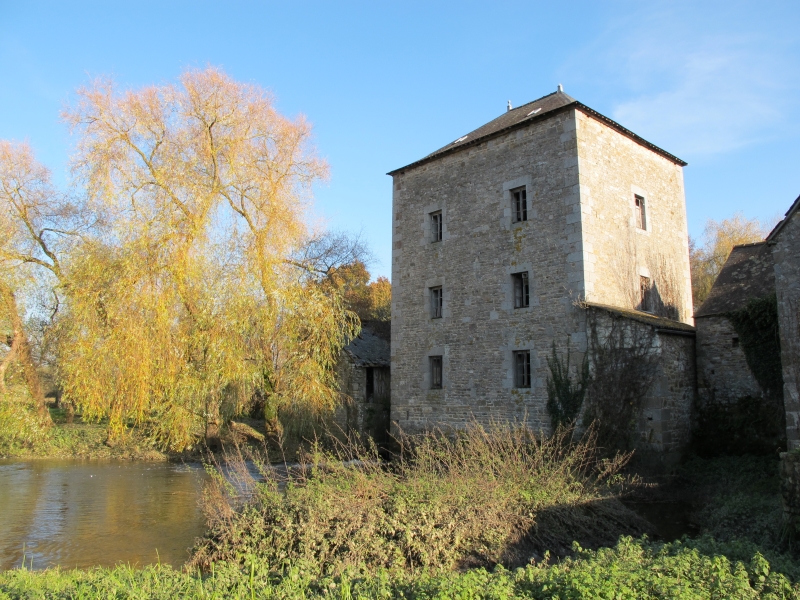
point(715, 83)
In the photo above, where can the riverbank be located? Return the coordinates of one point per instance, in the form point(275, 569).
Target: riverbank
point(89, 441)
point(440, 524)
point(633, 569)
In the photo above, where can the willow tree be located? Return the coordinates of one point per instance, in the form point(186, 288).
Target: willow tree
point(193, 299)
point(37, 225)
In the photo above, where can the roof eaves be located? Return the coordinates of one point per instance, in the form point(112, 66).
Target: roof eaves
point(447, 151)
point(777, 229)
point(628, 133)
point(643, 317)
point(530, 119)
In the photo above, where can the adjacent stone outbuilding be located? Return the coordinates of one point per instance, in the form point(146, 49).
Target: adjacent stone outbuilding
point(723, 373)
point(365, 382)
point(784, 241)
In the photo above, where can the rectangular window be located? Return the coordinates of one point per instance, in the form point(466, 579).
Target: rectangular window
point(436, 372)
point(645, 294)
point(522, 369)
point(437, 301)
point(436, 226)
point(641, 212)
point(519, 204)
point(521, 290)
point(370, 384)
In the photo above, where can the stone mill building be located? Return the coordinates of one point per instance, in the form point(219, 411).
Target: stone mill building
point(544, 226)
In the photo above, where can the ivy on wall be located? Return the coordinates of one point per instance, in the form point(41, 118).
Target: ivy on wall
point(757, 326)
point(565, 397)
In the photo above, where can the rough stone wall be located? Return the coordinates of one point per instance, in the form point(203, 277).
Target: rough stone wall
point(665, 420)
point(786, 253)
point(616, 251)
point(723, 375)
point(349, 414)
point(356, 413)
point(480, 250)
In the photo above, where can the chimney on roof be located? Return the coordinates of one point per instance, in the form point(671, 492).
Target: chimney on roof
point(509, 106)
point(560, 88)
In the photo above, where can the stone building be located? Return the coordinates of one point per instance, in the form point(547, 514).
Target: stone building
point(723, 375)
point(363, 372)
point(503, 238)
point(784, 241)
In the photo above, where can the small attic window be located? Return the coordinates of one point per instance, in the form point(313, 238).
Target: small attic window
point(461, 139)
point(534, 111)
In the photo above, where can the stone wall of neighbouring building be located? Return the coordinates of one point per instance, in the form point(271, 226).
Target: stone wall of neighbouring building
point(613, 170)
point(364, 376)
point(785, 244)
point(723, 374)
point(663, 423)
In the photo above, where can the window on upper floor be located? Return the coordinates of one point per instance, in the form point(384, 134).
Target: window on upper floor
point(645, 294)
point(437, 302)
point(522, 369)
point(436, 226)
point(435, 363)
point(519, 204)
point(641, 212)
point(521, 290)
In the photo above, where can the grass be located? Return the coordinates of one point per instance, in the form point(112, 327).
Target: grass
point(632, 569)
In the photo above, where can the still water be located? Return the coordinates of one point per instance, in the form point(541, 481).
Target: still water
point(81, 514)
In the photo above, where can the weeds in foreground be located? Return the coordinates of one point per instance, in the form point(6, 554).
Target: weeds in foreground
point(633, 569)
point(477, 497)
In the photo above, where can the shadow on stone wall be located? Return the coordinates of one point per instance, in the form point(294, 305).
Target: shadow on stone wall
point(750, 425)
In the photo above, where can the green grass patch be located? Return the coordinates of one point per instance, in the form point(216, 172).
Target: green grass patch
point(632, 569)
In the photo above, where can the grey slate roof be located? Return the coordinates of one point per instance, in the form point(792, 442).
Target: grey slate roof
point(369, 350)
point(544, 107)
point(643, 317)
point(747, 274)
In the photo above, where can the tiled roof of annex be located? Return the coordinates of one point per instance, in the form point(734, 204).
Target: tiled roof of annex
point(747, 274)
point(540, 109)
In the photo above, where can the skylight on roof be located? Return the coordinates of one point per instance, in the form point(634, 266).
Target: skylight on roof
point(461, 139)
point(534, 111)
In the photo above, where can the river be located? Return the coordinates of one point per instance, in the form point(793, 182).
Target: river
point(88, 513)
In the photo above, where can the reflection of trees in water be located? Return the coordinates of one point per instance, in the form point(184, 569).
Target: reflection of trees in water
point(87, 514)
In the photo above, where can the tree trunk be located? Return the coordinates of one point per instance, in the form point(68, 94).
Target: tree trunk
point(23, 352)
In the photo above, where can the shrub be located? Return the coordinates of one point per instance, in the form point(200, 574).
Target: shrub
point(476, 497)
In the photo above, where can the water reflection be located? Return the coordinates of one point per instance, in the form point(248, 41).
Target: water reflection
point(81, 514)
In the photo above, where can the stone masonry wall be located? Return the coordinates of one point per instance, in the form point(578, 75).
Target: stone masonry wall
point(723, 375)
point(612, 170)
point(665, 421)
point(786, 253)
point(568, 188)
point(474, 263)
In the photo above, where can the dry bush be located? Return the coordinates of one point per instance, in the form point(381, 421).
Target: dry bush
point(473, 497)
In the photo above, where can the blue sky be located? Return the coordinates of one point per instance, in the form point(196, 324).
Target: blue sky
point(715, 83)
